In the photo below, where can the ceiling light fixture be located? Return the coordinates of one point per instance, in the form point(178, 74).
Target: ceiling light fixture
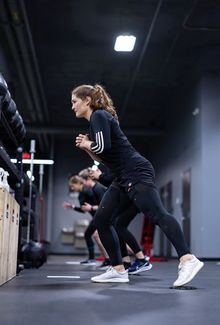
point(124, 43)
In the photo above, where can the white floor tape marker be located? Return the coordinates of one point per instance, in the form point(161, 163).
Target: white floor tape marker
point(73, 262)
point(63, 277)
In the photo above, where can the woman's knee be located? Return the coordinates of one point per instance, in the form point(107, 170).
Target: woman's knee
point(100, 225)
point(96, 220)
point(160, 218)
point(100, 220)
point(119, 226)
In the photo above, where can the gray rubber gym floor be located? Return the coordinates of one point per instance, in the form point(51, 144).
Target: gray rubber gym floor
point(32, 298)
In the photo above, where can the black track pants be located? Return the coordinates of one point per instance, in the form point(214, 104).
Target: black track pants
point(126, 214)
point(88, 238)
point(146, 198)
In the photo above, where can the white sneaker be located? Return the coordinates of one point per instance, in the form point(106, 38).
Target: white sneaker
point(111, 275)
point(187, 271)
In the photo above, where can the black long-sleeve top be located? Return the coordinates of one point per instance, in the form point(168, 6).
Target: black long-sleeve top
point(116, 152)
point(86, 196)
point(92, 196)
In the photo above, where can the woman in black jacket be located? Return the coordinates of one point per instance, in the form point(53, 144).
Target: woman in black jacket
point(135, 177)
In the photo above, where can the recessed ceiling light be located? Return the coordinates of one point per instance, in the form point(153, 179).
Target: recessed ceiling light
point(124, 43)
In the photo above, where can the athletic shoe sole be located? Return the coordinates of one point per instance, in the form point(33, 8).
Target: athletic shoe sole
point(145, 268)
point(116, 280)
point(198, 267)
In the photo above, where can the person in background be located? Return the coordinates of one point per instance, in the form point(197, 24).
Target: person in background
point(76, 184)
point(90, 194)
point(98, 191)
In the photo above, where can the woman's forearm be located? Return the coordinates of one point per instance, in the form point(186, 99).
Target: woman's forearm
point(93, 155)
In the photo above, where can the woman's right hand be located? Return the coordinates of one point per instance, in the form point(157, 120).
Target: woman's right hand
point(83, 142)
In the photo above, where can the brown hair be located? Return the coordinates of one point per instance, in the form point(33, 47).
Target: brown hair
point(84, 174)
point(100, 99)
point(75, 180)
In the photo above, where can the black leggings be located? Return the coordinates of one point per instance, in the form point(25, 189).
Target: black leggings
point(126, 213)
point(88, 238)
point(146, 198)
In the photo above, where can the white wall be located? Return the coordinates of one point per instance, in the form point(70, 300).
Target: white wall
point(195, 143)
point(181, 151)
point(211, 166)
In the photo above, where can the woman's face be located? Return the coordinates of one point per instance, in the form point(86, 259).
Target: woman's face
point(80, 106)
point(76, 187)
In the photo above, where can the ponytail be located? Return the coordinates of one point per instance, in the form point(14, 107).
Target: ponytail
point(100, 99)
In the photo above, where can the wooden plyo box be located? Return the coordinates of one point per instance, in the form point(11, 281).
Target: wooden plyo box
point(9, 223)
point(13, 238)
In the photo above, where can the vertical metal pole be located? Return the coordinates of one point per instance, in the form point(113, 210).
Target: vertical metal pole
point(41, 174)
point(32, 152)
point(41, 217)
point(19, 196)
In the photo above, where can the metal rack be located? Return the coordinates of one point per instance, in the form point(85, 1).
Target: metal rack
point(10, 145)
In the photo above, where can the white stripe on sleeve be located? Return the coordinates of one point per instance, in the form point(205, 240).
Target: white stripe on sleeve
point(99, 146)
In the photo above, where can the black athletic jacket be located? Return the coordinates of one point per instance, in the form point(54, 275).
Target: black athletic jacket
point(116, 152)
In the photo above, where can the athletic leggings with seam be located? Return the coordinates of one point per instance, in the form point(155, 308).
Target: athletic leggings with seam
point(146, 198)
